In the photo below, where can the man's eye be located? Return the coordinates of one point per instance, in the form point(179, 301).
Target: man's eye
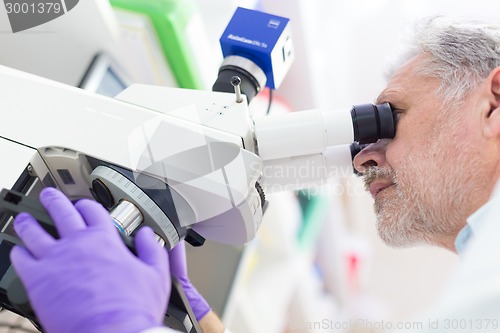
point(396, 114)
point(397, 111)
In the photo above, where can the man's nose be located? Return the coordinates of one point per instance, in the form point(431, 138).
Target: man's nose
point(372, 155)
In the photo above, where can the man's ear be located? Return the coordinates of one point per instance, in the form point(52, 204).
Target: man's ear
point(492, 121)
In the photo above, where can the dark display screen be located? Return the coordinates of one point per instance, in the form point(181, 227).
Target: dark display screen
point(5, 248)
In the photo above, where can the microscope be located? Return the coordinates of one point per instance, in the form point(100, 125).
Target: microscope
point(191, 165)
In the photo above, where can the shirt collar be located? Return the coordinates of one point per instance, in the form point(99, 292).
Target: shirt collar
point(467, 232)
point(475, 221)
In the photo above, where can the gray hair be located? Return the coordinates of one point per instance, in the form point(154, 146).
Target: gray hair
point(461, 53)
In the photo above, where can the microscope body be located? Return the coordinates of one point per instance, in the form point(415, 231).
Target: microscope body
point(148, 167)
point(187, 173)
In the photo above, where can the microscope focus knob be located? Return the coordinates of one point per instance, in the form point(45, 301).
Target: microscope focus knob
point(262, 195)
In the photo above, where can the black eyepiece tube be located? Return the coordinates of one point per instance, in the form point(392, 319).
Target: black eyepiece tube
point(372, 122)
point(356, 148)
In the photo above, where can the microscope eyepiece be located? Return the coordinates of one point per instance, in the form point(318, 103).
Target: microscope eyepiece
point(372, 122)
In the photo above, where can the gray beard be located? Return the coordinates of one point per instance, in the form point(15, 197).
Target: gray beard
point(422, 210)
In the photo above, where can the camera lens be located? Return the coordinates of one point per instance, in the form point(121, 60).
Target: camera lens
point(253, 79)
point(372, 122)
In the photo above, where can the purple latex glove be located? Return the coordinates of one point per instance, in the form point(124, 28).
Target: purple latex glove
point(88, 281)
point(178, 268)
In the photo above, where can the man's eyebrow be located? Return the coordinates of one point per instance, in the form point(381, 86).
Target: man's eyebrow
point(382, 98)
point(393, 96)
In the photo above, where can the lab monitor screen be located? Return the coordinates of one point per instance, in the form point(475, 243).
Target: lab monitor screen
point(104, 77)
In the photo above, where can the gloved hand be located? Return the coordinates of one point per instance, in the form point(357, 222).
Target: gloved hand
point(178, 269)
point(88, 281)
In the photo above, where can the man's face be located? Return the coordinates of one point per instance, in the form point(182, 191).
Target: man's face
point(422, 181)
